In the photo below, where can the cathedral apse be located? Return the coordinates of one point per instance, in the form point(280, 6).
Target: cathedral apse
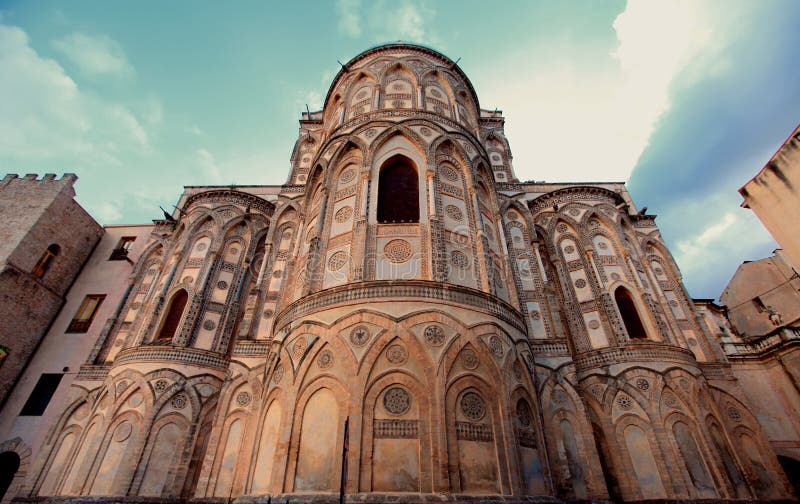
point(480, 336)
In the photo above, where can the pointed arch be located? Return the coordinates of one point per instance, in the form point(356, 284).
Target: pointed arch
point(629, 312)
point(398, 190)
point(173, 316)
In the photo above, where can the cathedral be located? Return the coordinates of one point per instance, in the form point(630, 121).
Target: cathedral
point(403, 320)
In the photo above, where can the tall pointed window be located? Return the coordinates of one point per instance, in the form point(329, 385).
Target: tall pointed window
point(630, 316)
point(398, 191)
point(46, 261)
point(173, 317)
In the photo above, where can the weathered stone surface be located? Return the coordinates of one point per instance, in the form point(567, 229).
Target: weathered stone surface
point(484, 340)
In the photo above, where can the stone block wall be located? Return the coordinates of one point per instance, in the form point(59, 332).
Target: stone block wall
point(34, 214)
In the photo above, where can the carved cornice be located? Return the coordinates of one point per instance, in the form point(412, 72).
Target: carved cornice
point(173, 355)
point(377, 115)
point(293, 189)
point(231, 196)
point(93, 373)
point(569, 194)
point(251, 348)
point(545, 347)
point(396, 290)
point(635, 352)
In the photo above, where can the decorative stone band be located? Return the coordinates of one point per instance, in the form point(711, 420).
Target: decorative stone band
point(549, 348)
point(93, 373)
point(251, 348)
point(568, 194)
point(635, 352)
point(393, 290)
point(377, 115)
point(176, 355)
point(229, 196)
point(292, 189)
point(396, 429)
point(716, 370)
point(163, 226)
point(468, 431)
point(761, 347)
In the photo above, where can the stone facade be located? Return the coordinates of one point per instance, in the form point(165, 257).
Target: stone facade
point(403, 300)
point(37, 215)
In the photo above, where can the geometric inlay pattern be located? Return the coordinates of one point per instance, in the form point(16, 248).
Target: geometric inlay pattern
point(472, 406)
point(396, 401)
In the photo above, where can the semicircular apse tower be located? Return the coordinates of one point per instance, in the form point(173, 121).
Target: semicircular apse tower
point(405, 310)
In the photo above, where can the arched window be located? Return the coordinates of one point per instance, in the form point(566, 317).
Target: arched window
point(174, 315)
point(630, 316)
point(46, 261)
point(398, 191)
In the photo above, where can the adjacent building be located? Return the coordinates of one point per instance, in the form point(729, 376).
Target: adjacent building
point(402, 319)
point(774, 196)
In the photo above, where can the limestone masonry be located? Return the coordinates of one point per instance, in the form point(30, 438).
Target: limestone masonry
point(402, 319)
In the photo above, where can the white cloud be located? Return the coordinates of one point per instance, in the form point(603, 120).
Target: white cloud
point(575, 118)
point(208, 167)
point(195, 130)
point(403, 19)
point(349, 17)
point(709, 258)
point(95, 54)
point(107, 212)
point(386, 20)
point(51, 118)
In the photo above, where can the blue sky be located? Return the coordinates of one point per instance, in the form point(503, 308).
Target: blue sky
point(684, 99)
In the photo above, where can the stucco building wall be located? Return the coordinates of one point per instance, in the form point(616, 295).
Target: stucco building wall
point(774, 196)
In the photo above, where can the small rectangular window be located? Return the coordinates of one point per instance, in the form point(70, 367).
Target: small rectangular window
point(83, 318)
point(120, 253)
point(759, 304)
point(41, 395)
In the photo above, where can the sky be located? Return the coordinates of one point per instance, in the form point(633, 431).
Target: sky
point(684, 100)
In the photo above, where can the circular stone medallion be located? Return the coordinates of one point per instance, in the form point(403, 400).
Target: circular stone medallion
point(624, 402)
point(434, 335)
point(396, 401)
point(243, 399)
point(468, 359)
point(337, 261)
point(179, 401)
point(343, 214)
point(397, 251)
point(396, 354)
point(448, 173)
point(453, 212)
point(359, 335)
point(459, 259)
point(160, 385)
point(495, 346)
point(325, 359)
point(472, 406)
